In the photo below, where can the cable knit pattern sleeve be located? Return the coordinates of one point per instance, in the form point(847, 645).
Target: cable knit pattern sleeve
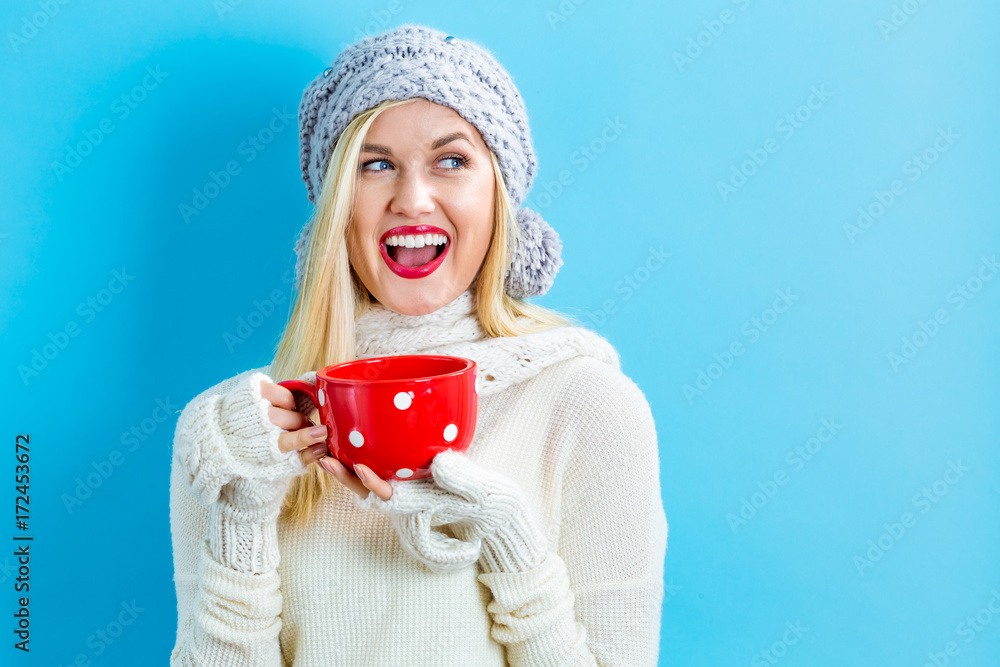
point(225, 435)
point(596, 599)
point(228, 480)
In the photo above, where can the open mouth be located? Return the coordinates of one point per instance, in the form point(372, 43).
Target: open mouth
point(413, 250)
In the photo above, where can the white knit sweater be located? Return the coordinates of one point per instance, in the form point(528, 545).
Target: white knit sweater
point(556, 415)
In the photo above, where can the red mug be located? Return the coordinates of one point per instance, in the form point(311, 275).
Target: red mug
point(395, 414)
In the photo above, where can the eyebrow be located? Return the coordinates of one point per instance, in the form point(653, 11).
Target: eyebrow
point(438, 143)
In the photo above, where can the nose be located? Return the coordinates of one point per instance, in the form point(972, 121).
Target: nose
point(413, 194)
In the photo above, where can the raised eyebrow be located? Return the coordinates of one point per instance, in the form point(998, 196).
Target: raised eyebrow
point(438, 143)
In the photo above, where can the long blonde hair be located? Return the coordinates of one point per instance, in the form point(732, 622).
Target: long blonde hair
point(320, 329)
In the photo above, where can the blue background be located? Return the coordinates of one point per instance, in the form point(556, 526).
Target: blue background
point(641, 109)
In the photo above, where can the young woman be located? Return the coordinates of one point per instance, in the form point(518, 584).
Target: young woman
point(543, 543)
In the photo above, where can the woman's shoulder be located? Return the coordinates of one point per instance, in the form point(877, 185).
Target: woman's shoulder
point(594, 390)
point(605, 423)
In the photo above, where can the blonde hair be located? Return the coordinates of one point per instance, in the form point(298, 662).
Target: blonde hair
point(320, 329)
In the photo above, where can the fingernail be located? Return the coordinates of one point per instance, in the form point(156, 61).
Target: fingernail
point(360, 472)
point(317, 431)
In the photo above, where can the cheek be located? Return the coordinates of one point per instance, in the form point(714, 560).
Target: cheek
point(361, 237)
point(476, 232)
point(477, 211)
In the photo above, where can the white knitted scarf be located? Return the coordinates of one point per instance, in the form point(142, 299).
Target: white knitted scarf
point(454, 329)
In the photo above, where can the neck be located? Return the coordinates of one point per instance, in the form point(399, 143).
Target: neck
point(382, 331)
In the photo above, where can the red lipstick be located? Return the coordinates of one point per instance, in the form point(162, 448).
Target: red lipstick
point(413, 271)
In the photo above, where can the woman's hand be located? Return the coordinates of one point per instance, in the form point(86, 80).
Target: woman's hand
point(489, 515)
point(363, 483)
point(301, 434)
point(311, 442)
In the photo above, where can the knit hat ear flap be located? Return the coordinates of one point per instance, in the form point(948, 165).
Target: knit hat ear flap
point(534, 268)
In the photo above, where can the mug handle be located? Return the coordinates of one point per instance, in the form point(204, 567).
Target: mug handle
point(301, 385)
point(310, 391)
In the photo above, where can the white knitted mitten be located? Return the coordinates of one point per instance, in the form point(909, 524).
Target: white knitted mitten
point(486, 510)
point(229, 448)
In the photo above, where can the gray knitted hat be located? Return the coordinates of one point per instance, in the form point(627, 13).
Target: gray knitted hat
point(417, 61)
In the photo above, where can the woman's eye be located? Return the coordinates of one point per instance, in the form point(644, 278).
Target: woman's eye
point(458, 162)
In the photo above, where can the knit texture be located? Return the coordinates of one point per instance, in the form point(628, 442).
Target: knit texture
point(489, 514)
point(537, 260)
point(229, 449)
point(419, 61)
point(571, 440)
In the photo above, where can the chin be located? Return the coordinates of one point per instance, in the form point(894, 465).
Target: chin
point(416, 300)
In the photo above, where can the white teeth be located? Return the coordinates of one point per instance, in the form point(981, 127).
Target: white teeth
point(417, 240)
